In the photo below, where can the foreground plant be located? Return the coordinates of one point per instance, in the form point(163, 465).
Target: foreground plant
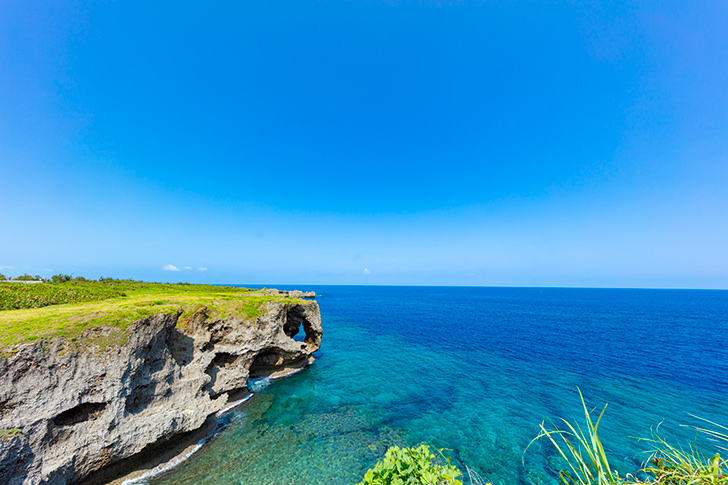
point(582, 450)
point(587, 462)
point(411, 466)
point(672, 465)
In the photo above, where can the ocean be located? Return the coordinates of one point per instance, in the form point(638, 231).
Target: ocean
point(473, 371)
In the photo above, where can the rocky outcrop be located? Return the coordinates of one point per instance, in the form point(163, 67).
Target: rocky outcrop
point(288, 294)
point(81, 407)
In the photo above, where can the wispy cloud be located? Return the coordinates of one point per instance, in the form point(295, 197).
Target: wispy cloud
point(366, 271)
point(188, 267)
point(202, 268)
point(170, 267)
point(6, 267)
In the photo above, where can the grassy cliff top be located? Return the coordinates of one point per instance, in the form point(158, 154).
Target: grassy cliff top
point(30, 312)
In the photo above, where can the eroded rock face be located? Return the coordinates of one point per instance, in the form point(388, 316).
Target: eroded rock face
point(81, 408)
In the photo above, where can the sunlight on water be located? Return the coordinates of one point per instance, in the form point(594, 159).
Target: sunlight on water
point(475, 370)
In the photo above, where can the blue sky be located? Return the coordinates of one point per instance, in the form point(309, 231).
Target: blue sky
point(518, 143)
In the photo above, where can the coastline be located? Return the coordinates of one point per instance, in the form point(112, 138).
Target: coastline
point(120, 404)
point(188, 448)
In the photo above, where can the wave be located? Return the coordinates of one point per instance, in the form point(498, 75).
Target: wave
point(165, 467)
point(181, 458)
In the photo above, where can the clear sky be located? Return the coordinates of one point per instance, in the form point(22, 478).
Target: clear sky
point(518, 143)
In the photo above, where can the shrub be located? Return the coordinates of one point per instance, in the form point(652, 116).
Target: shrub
point(27, 277)
point(411, 466)
point(60, 278)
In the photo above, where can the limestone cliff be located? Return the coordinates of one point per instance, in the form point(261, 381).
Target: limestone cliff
point(81, 407)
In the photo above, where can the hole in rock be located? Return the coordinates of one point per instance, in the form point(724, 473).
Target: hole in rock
point(266, 358)
point(82, 412)
point(273, 360)
point(301, 335)
point(292, 326)
point(297, 318)
point(223, 359)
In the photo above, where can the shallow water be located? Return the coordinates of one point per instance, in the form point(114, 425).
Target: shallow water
point(475, 370)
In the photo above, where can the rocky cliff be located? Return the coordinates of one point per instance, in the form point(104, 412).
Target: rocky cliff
point(82, 405)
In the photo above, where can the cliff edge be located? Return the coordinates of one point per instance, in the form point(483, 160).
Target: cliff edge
point(73, 406)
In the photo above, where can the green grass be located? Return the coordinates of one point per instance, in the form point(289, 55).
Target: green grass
point(17, 296)
point(582, 450)
point(45, 310)
point(6, 434)
point(676, 465)
point(587, 463)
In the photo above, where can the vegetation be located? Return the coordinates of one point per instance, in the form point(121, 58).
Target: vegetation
point(6, 434)
point(583, 452)
point(30, 312)
point(17, 297)
point(411, 466)
point(587, 462)
point(675, 466)
point(27, 277)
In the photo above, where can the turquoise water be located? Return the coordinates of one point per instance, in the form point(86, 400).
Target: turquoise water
point(475, 370)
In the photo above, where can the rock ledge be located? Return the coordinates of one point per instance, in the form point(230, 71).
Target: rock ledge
point(81, 409)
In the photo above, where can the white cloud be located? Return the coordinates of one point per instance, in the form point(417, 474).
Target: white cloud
point(366, 271)
point(170, 267)
point(188, 267)
point(6, 267)
point(202, 269)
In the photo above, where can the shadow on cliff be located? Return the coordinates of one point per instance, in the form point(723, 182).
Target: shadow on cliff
point(16, 457)
point(144, 381)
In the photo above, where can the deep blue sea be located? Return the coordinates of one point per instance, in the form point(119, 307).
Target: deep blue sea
point(474, 371)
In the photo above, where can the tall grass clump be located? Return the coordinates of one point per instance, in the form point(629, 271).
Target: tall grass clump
point(675, 465)
point(587, 463)
point(582, 450)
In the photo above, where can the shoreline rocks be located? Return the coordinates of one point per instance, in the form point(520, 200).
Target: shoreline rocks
point(82, 409)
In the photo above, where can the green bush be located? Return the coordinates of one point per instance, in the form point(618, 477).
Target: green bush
point(60, 278)
point(27, 277)
point(411, 466)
